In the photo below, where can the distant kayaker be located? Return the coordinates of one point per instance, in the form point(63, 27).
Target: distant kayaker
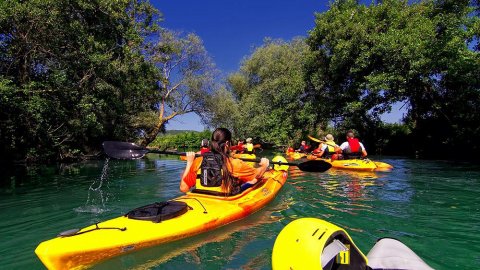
point(353, 148)
point(328, 148)
point(204, 147)
point(218, 171)
point(304, 148)
point(248, 147)
point(238, 148)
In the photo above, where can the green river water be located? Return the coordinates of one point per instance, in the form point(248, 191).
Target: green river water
point(431, 206)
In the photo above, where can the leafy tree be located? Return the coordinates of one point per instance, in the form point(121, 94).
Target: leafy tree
point(188, 139)
point(367, 58)
point(71, 74)
point(222, 110)
point(269, 88)
point(186, 79)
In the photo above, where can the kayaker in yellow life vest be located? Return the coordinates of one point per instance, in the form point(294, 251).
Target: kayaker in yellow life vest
point(218, 169)
point(248, 147)
point(328, 148)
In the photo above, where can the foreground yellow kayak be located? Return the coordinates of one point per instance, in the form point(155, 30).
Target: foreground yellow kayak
point(122, 235)
point(311, 243)
point(356, 164)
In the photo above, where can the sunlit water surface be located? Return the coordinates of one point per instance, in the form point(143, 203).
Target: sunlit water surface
point(431, 206)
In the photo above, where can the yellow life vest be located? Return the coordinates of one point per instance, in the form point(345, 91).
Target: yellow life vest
point(331, 146)
point(249, 147)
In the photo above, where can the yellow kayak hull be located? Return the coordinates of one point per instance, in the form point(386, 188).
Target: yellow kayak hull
point(246, 156)
point(357, 164)
point(83, 250)
point(296, 155)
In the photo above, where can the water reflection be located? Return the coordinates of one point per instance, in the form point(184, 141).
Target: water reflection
point(432, 206)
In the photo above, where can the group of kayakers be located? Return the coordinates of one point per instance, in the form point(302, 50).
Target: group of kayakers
point(218, 169)
point(350, 149)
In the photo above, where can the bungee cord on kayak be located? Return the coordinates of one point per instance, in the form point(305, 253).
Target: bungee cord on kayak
point(74, 232)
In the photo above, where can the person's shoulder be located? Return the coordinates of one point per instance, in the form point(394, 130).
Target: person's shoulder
point(235, 161)
point(197, 161)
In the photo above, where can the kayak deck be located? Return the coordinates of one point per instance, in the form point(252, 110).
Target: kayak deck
point(356, 164)
point(205, 213)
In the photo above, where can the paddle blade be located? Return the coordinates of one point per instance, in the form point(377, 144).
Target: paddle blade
point(124, 150)
point(314, 166)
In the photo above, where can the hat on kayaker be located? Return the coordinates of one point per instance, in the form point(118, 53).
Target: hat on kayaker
point(249, 140)
point(205, 143)
point(329, 137)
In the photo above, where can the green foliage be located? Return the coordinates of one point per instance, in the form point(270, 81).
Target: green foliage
point(367, 58)
point(187, 77)
point(71, 74)
point(185, 139)
point(266, 99)
point(75, 73)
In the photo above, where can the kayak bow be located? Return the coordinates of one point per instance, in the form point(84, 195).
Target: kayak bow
point(122, 235)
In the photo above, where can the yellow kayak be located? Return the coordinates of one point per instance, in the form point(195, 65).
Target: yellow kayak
point(311, 243)
point(356, 164)
point(246, 156)
point(296, 155)
point(122, 235)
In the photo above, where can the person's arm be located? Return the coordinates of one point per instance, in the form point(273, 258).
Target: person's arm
point(264, 162)
point(364, 152)
point(186, 182)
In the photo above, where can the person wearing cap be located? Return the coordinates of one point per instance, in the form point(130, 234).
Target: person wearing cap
point(328, 148)
point(248, 147)
point(303, 148)
point(353, 148)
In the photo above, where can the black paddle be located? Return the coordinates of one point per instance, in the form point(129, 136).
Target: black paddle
point(126, 150)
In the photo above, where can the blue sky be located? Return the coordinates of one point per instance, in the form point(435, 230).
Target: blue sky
point(231, 30)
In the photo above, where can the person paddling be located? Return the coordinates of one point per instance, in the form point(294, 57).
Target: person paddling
point(237, 148)
point(304, 148)
point(328, 148)
point(248, 147)
point(353, 148)
point(218, 169)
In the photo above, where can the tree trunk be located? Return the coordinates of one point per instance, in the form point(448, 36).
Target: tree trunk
point(152, 134)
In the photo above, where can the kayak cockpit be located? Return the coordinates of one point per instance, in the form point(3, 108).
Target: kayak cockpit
point(310, 243)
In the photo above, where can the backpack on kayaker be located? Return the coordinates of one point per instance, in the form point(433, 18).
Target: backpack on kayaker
point(211, 170)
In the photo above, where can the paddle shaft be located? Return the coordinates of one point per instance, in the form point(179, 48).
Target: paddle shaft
point(197, 155)
point(125, 150)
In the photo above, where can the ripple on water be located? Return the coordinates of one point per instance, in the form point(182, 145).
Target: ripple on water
point(432, 206)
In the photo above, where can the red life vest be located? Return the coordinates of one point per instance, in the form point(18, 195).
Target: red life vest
point(354, 145)
point(204, 150)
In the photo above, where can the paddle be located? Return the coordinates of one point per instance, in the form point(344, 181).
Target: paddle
point(126, 150)
point(315, 139)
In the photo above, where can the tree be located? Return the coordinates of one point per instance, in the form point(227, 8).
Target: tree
point(185, 83)
point(367, 58)
point(270, 88)
point(71, 74)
